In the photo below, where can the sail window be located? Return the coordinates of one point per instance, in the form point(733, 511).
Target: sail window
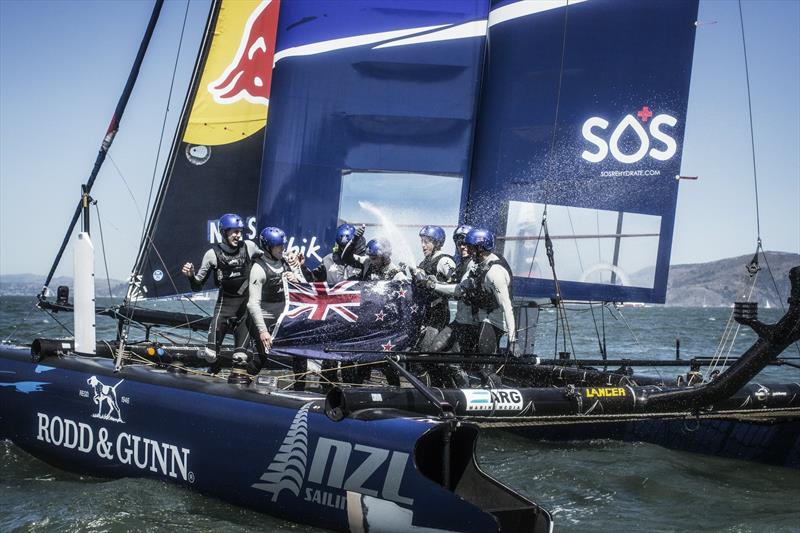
point(590, 245)
point(395, 205)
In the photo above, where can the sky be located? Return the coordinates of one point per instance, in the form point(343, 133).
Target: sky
point(63, 65)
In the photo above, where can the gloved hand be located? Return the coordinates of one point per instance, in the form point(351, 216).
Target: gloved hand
point(420, 277)
point(209, 354)
point(431, 281)
point(360, 230)
point(467, 285)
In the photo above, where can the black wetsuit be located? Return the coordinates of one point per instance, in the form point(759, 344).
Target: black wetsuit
point(230, 268)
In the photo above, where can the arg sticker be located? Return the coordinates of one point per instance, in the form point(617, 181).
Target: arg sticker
point(493, 400)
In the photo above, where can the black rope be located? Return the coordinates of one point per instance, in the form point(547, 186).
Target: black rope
point(103, 248)
point(59, 322)
point(166, 114)
point(775, 285)
point(752, 135)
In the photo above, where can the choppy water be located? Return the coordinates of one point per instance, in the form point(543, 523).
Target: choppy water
point(595, 485)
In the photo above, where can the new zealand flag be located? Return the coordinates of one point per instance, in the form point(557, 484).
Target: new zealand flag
point(351, 315)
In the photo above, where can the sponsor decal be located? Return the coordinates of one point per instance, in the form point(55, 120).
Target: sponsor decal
point(158, 275)
point(605, 392)
point(493, 400)
point(653, 131)
point(124, 447)
point(336, 467)
point(105, 398)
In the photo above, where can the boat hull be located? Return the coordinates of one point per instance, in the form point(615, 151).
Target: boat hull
point(275, 452)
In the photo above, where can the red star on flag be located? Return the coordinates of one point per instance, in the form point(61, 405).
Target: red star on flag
point(379, 316)
point(388, 346)
point(401, 293)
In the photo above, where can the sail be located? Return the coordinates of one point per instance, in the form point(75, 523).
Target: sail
point(374, 106)
point(582, 116)
point(215, 160)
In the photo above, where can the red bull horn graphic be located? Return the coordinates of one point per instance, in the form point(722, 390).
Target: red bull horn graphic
point(249, 74)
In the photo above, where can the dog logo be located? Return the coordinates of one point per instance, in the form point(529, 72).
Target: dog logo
point(105, 398)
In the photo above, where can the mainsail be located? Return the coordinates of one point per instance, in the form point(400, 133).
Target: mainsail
point(216, 155)
point(373, 119)
point(582, 117)
point(398, 114)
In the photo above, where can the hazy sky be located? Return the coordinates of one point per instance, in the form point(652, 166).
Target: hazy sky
point(63, 65)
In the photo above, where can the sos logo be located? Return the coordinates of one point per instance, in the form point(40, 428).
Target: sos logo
point(596, 126)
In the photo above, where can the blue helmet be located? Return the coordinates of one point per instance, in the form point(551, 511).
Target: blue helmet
point(230, 221)
point(270, 237)
point(380, 248)
point(480, 238)
point(461, 232)
point(434, 233)
point(345, 234)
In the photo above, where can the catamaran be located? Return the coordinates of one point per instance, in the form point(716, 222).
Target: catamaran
point(555, 123)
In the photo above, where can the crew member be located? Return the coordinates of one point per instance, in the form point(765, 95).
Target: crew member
point(268, 299)
point(377, 263)
point(460, 335)
point(487, 289)
point(436, 267)
point(229, 264)
point(334, 268)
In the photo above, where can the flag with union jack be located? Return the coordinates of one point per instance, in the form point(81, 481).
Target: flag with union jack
point(321, 320)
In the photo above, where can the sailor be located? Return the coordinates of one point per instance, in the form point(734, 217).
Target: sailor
point(377, 263)
point(334, 267)
point(460, 335)
point(267, 298)
point(487, 289)
point(436, 267)
point(229, 264)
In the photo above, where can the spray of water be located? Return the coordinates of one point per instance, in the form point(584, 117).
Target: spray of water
point(401, 248)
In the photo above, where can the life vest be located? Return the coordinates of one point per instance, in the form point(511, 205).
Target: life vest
point(480, 297)
point(272, 289)
point(373, 274)
point(430, 265)
point(337, 271)
point(437, 311)
point(233, 269)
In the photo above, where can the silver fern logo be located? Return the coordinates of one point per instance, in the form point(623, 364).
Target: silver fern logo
point(288, 468)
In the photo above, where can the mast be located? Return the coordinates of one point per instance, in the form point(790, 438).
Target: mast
point(113, 127)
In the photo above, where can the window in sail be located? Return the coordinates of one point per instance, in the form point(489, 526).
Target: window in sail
point(590, 245)
point(395, 205)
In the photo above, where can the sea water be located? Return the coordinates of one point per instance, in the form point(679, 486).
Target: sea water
point(587, 486)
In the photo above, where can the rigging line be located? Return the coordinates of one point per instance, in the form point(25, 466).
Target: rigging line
point(166, 113)
point(752, 134)
point(58, 321)
point(103, 248)
point(551, 157)
point(18, 324)
point(535, 250)
point(130, 192)
point(777, 290)
point(577, 249)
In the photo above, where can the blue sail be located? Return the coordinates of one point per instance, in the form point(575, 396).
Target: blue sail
point(398, 114)
point(582, 116)
point(372, 118)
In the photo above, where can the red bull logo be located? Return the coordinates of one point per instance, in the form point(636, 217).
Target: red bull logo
point(249, 74)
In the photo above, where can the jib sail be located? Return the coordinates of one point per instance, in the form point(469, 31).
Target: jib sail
point(216, 155)
point(582, 117)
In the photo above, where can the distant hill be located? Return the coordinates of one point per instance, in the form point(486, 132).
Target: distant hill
point(720, 283)
point(31, 284)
